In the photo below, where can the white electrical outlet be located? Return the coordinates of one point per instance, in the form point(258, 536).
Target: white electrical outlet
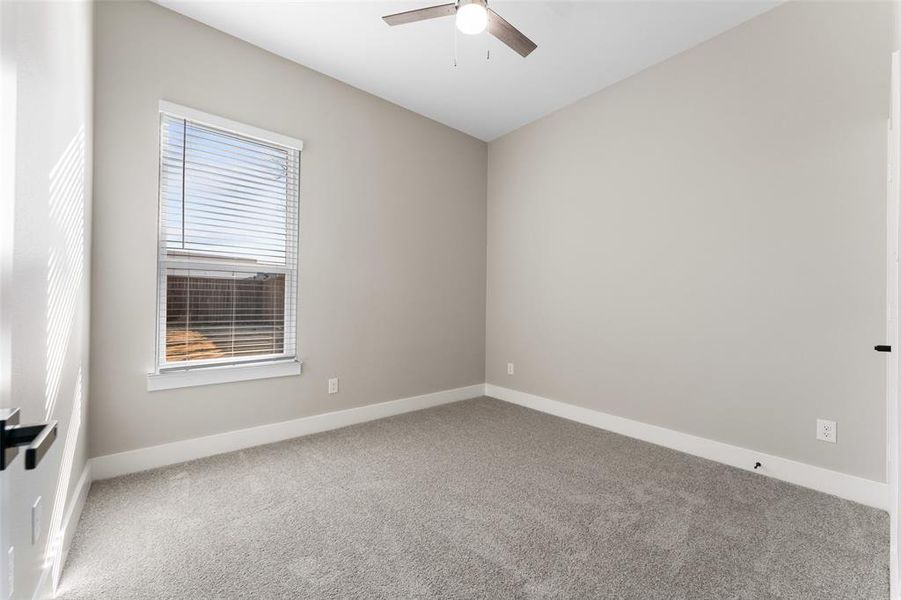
point(333, 385)
point(510, 369)
point(36, 513)
point(11, 573)
point(826, 430)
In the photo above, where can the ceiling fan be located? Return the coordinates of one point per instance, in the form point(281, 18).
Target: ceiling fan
point(473, 16)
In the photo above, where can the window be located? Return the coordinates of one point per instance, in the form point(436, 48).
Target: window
point(227, 244)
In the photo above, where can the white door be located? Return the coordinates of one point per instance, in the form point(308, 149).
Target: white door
point(44, 116)
point(10, 478)
point(892, 367)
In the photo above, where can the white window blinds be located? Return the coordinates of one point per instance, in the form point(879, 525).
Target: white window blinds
point(228, 245)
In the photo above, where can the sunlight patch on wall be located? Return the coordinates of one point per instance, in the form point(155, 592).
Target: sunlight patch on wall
point(66, 261)
point(55, 534)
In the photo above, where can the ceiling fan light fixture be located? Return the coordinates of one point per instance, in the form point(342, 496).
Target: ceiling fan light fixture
point(472, 16)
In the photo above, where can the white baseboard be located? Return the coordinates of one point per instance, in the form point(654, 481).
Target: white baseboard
point(849, 487)
point(44, 589)
point(894, 592)
point(50, 576)
point(113, 465)
point(70, 521)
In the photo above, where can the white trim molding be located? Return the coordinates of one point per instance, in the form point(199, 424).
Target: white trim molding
point(849, 487)
point(52, 572)
point(44, 589)
point(70, 521)
point(132, 461)
point(169, 380)
point(205, 118)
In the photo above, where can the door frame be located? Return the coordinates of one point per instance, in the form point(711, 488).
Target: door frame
point(893, 413)
point(8, 93)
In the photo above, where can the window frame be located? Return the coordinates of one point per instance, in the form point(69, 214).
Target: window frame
point(226, 369)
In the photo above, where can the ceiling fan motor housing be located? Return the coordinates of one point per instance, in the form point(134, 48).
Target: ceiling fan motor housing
point(472, 16)
point(462, 3)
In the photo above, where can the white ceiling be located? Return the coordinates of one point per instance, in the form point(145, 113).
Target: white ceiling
point(582, 47)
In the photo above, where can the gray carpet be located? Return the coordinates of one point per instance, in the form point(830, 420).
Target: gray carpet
point(479, 499)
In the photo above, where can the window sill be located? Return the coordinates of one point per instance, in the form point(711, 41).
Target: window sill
point(213, 375)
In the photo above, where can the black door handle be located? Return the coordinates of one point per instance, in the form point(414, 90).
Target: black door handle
point(37, 438)
point(883, 348)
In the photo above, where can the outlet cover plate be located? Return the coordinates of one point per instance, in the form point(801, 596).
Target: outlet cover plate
point(826, 431)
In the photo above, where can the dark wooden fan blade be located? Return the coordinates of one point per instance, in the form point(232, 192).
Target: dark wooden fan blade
point(421, 14)
point(509, 34)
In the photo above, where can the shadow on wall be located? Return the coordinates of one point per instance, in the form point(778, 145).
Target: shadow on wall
point(65, 284)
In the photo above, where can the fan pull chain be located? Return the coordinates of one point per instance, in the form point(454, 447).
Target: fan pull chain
point(455, 47)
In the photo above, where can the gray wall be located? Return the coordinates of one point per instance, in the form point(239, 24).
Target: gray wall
point(48, 300)
point(702, 246)
point(392, 253)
